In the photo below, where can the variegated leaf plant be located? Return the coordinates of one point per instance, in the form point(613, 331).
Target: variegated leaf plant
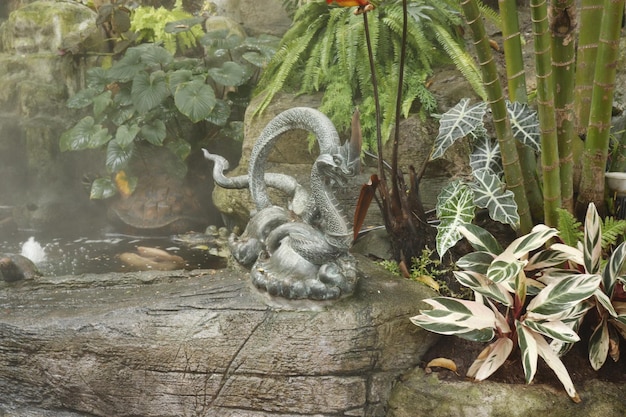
point(609, 301)
point(521, 299)
point(488, 189)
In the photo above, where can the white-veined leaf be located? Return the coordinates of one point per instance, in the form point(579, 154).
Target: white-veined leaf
point(556, 330)
point(573, 320)
point(505, 270)
point(546, 259)
point(490, 193)
point(478, 262)
point(480, 239)
point(467, 319)
point(528, 349)
point(537, 237)
point(599, 345)
point(457, 123)
point(573, 254)
point(553, 361)
point(524, 124)
point(490, 359)
point(592, 247)
point(455, 208)
point(486, 155)
point(604, 301)
point(613, 267)
point(556, 299)
point(482, 285)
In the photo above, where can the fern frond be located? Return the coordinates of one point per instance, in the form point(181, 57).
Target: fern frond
point(462, 61)
point(570, 229)
point(613, 231)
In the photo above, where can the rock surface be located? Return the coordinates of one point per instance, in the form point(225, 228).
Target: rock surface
point(204, 343)
point(426, 395)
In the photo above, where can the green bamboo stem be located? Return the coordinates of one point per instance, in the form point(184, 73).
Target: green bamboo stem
point(562, 26)
point(545, 107)
point(590, 15)
point(510, 159)
point(516, 81)
point(597, 142)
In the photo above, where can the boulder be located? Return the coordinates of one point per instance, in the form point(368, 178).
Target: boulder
point(420, 394)
point(204, 342)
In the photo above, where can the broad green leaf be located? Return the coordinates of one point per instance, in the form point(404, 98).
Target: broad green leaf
point(524, 124)
point(592, 247)
point(479, 283)
point(221, 39)
point(180, 148)
point(85, 135)
point(613, 268)
point(486, 155)
point(230, 74)
point(556, 330)
point(220, 113)
point(126, 68)
point(490, 193)
point(599, 345)
point(125, 135)
point(256, 58)
point(477, 262)
point(195, 100)
point(82, 99)
point(154, 132)
point(455, 208)
point(155, 56)
point(480, 239)
point(556, 299)
point(149, 90)
point(101, 102)
point(552, 360)
point(118, 156)
point(181, 76)
point(121, 115)
point(537, 237)
point(528, 348)
point(97, 79)
point(491, 359)
point(457, 123)
point(102, 188)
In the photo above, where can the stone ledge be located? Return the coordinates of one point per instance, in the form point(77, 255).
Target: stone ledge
point(203, 343)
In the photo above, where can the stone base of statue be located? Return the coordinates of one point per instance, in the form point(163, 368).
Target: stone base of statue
point(203, 343)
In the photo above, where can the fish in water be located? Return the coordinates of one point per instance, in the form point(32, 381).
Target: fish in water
point(155, 259)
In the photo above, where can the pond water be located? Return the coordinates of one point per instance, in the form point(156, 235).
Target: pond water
point(98, 253)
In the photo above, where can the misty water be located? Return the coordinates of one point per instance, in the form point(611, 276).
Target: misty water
point(98, 253)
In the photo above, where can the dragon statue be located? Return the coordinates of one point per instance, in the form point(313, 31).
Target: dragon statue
point(301, 251)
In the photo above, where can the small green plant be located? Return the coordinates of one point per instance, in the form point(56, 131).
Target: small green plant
point(458, 201)
point(325, 50)
point(152, 98)
point(425, 269)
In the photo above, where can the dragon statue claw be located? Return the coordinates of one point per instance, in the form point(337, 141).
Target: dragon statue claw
point(305, 253)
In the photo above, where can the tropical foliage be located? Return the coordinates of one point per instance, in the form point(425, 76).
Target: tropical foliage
point(150, 97)
point(486, 189)
point(325, 50)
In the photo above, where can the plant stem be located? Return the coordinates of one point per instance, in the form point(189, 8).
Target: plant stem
point(597, 142)
point(510, 159)
point(562, 25)
point(517, 92)
point(545, 107)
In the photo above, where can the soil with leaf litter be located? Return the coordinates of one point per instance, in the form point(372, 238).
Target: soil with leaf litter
point(464, 352)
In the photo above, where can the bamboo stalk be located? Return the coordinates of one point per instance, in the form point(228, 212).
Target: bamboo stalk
point(545, 107)
point(510, 159)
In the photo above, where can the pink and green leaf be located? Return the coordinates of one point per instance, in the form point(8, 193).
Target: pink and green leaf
point(490, 359)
